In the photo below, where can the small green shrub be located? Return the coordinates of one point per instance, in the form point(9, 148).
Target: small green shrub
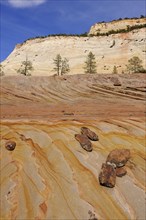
point(142, 70)
point(115, 71)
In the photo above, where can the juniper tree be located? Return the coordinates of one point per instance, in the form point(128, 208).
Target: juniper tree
point(90, 63)
point(26, 67)
point(134, 65)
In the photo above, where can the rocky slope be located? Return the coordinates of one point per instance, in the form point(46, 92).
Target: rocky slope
point(49, 175)
point(110, 51)
point(105, 27)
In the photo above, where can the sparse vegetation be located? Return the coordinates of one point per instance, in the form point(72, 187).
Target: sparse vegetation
point(130, 28)
point(142, 16)
point(134, 65)
point(58, 35)
point(126, 30)
point(1, 70)
point(25, 68)
point(61, 65)
point(90, 63)
point(142, 70)
point(115, 71)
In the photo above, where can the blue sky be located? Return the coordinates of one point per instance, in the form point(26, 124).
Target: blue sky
point(23, 19)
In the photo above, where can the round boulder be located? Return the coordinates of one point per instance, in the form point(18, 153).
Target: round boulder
point(10, 145)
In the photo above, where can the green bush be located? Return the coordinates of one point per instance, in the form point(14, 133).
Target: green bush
point(115, 71)
point(135, 65)
point(142, 70)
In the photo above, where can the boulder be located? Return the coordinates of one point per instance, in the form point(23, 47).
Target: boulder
point(84, 142)
point(107, 176)
point(90, 134)
point(10, 145)
point(121, 171)
point(119, 157)
point(116, 81)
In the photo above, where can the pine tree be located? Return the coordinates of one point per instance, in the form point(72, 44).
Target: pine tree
point(25, 68)
point(134, 65)
point(61, 65)
point(65, 67)
point(90, 63)
point(58, 64)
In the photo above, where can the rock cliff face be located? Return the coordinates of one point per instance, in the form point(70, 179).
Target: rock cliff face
point(105, 27)
point(110, 51)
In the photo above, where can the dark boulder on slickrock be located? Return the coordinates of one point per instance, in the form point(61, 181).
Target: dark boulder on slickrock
point(107, 176)
point(119, 157)
point(121, 171)
point(10, 145)
point(90, 134)
point(116, 81)
point(84, 142)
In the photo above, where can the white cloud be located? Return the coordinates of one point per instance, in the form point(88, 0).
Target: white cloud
point(25, 3)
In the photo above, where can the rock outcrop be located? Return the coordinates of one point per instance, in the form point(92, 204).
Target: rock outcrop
point(113, 50)
point(48, 175)
point(116, 25)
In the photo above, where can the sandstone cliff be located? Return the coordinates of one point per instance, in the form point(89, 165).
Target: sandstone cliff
point(105, 27)
point(110, 51)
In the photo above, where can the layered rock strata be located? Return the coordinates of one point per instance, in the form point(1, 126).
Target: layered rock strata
point(123, 24)
point(113, 50)
point(48, 175)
